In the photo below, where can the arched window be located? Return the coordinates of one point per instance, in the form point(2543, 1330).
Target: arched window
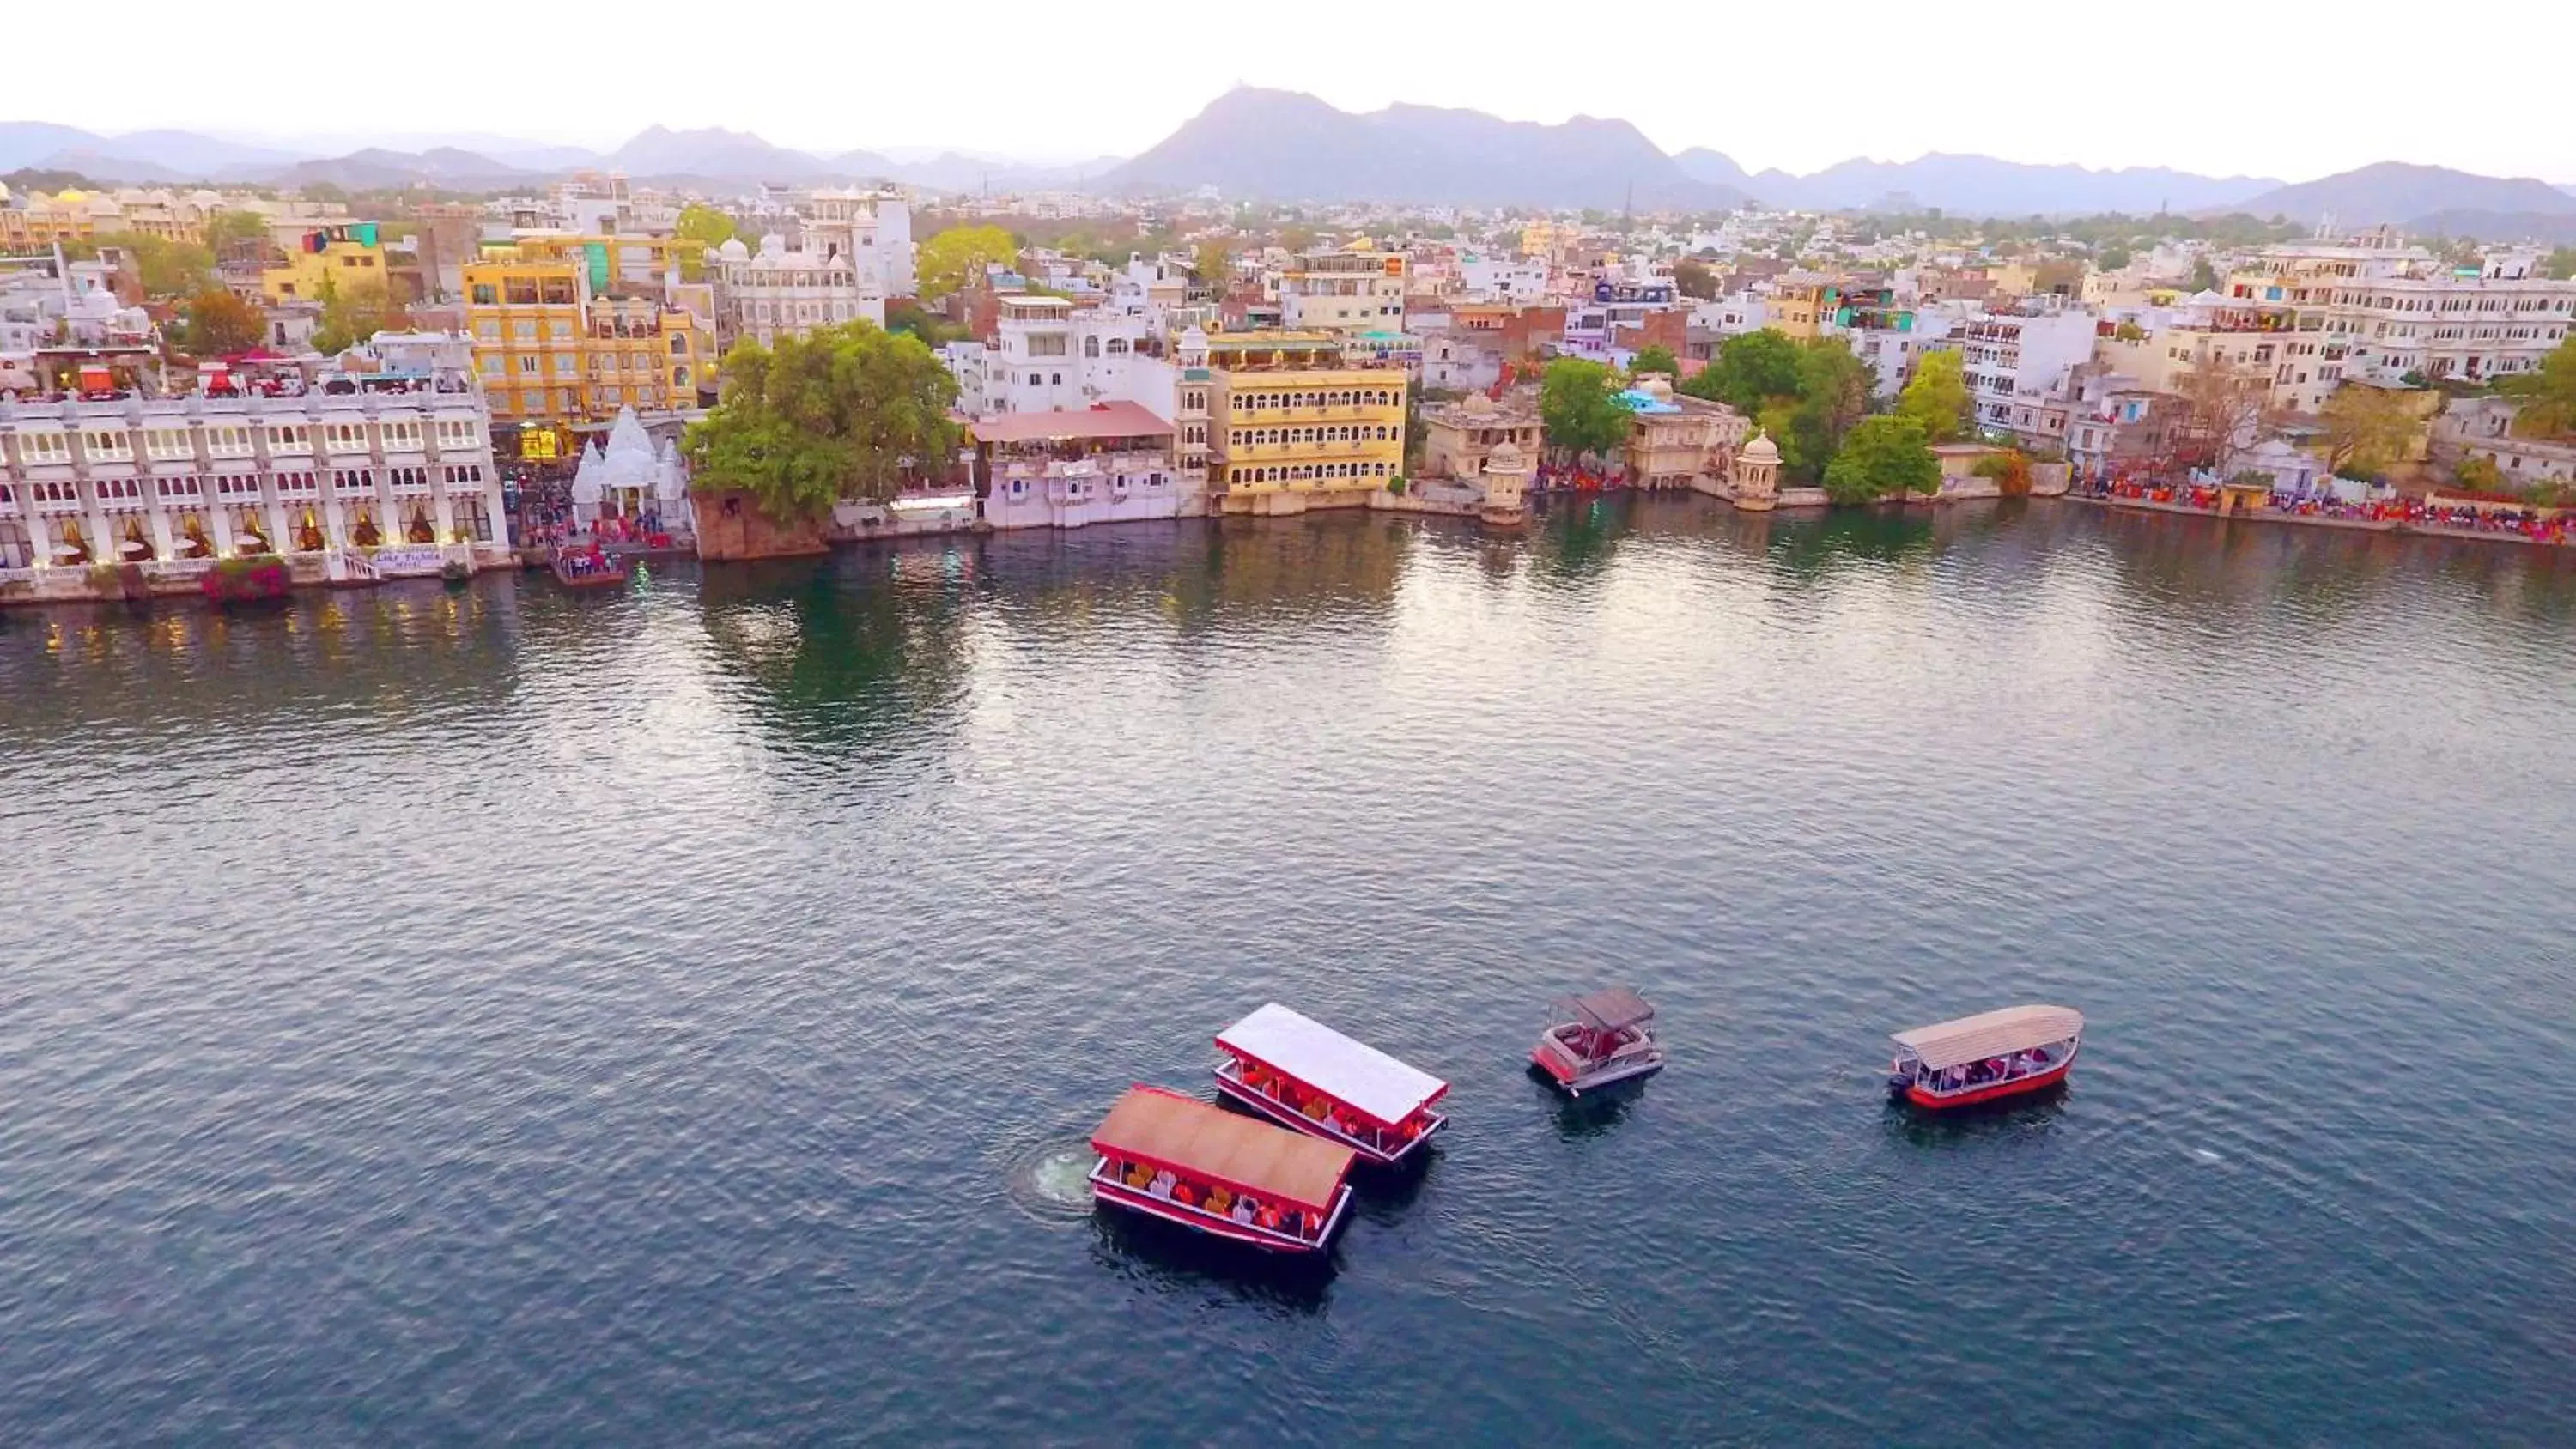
point(679, 377)
point(1117, 346)
point(1091, 347)
point(679, 344)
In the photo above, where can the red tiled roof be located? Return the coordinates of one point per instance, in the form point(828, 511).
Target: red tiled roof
point(1100, 420)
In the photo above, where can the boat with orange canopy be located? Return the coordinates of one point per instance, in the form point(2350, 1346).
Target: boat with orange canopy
point(1218, 1172)
point(1312, 1079)
point(1985, 1057)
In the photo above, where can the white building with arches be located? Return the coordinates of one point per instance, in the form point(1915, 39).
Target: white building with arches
point(778, 291)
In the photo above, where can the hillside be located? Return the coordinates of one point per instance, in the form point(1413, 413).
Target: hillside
point(2394, 191)
point(1290, 146)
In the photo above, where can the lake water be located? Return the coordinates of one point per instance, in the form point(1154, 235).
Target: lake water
point(458, 1016)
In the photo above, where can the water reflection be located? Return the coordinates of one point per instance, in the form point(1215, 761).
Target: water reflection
point(1170, 1257)
point(2007, 1117)
point(1595, 1112)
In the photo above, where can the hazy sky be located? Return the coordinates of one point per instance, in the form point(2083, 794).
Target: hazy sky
point(2289, 88)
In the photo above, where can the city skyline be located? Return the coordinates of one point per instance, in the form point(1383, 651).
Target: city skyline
point(2100, 98)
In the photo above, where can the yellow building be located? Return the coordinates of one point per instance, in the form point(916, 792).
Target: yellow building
point(1295, 424)
point(553, 347)
point(1543, 238)
point(320, 258)
point(1800, 304)
point(1359, 289)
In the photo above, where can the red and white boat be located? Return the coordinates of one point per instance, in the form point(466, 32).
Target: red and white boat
point(1982, 1058)
point(1196, 1164)
point(1309, 1077)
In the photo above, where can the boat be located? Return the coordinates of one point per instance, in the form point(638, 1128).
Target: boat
point(589, 568)
point(1312, 1079)
point(1221, 1173)
point(1984, 1057)
point(1607, 1036)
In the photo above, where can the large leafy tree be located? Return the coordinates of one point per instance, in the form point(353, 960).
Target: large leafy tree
point(700, 222)
point(1655, 357)
point(952, 258)
point(1882, 458)
point(353, 313)
point(230, 231)
point(1579, 409)
point(1750, 371)
point(165, 268)
point(1213, 264)
point(842, 412)
point(1937, 397)
point(2366, 429)
point(2547, 394)
point(1695, 278)
point(219, 324)
point(1833, 394)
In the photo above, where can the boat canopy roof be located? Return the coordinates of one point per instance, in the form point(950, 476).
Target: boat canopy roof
point(1353, 1073)
point(1188, 1136)
point(1991, 1034)
point(1612, 1008)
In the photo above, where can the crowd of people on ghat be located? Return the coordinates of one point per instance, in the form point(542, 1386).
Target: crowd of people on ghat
point(1314, 1106)
point(1234, 1207)
point(2537, 525)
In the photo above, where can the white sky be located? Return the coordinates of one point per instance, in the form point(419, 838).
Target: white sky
point(2288, 88)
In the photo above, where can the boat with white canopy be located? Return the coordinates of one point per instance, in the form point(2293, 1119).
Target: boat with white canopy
point(1307, 1076)
point(1195, 1164)
point(1981, 1058)
point(1604, 1037)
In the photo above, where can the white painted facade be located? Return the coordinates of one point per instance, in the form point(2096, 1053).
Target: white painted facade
point(782, 292)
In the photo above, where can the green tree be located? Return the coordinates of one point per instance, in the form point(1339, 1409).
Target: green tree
point(957, 256)
point(2113, 257)
point(1695, 278)
point(842, 412)
point(1578, 409)
point(904, 314)
point(2561, 265)
point(227, 231)
point(2479, 474)
point(2204, 277)
point(1213, 264)
point(1833, 395)
point(219, 324)
point(2367, 429)
point(1884, 457)
point(1750, 370)
point(2547, 394)
point(1655, 357)
point(1937, 397)
point(165, 268)
point(354, 313)
point(700, 222)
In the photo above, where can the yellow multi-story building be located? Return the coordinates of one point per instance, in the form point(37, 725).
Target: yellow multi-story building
point(1295, 423)
point(1801, 303)
point(1357, 290)
point(321, 258)
point(554, 344)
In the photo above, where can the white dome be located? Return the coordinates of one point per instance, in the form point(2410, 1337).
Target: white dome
point(734, 251)
point(1761, 450)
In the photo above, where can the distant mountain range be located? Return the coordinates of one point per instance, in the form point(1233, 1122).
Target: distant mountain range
point(1287, 146)
point(1976, 186)
point(708, 157)
point(1290, 146)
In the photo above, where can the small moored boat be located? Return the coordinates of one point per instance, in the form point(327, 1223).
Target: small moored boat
point(587, 568)
point(1608, 1036)
point(1196, 1164)
point(1315, 1080)
point(1981, 1058)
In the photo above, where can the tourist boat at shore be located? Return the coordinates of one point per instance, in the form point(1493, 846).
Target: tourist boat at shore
point(590, 568)
point(1219, 1172)
point(1607, 1036)
point(1981, 1058)
point(1312, 1079)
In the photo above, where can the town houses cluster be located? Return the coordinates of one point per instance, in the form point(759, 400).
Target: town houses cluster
point(393, 382)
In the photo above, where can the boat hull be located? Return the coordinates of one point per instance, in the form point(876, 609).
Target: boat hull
point(1118, 1194)
point(1579, 1083)
point(589, 581)
point(1991, 1092)
point(1280, 1113)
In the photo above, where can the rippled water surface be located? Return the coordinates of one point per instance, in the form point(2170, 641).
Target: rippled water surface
point(665, 1018)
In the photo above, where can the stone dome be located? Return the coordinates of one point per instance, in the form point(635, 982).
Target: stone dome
point(734, 251)
point(1761, 450)
point(1505, 458)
